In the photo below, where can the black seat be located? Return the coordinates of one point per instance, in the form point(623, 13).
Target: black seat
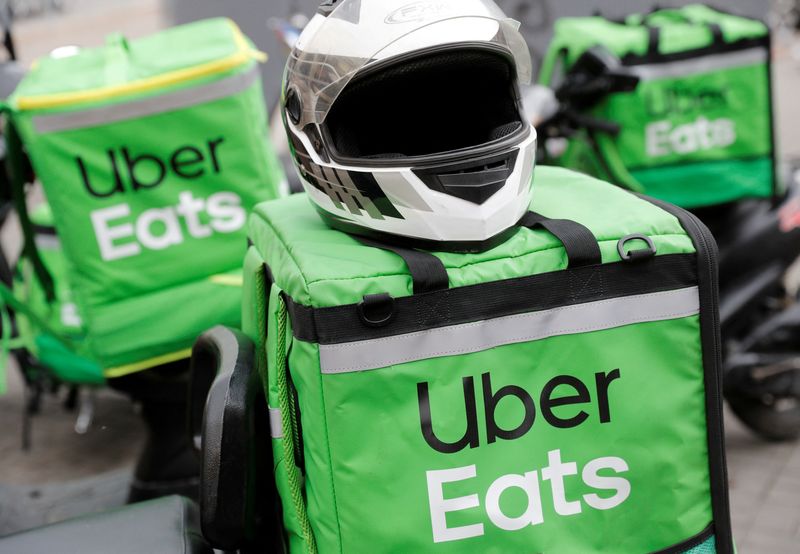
point(168, 525)
point(239, 507)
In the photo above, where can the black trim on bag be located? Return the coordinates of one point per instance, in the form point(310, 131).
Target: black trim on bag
point(708, 284)
point(688, 544)
point(341, 324)
point(772, 128)
point(714, 48)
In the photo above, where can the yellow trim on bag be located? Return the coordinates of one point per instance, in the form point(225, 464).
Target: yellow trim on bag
point(227, 280)
point(244, 54)
point(146, 364)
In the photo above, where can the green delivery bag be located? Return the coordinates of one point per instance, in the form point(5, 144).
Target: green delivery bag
point(698, 129)
point(53, 342)
point(543, 396)
point(151, 153)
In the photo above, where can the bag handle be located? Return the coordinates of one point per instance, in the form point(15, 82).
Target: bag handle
point(654, 29)
point(16, 174)
point(117, 51)
point(429, 274)
point(579, 242)
point(427, 271)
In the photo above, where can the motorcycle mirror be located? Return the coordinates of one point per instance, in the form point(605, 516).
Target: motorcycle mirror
point(595, 74)
point(600, 63)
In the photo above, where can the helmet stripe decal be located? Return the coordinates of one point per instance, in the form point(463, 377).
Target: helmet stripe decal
point(369, 187)
point(364, 201)
point(344, 195)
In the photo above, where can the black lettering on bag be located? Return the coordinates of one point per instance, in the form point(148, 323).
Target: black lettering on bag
point(88, 184)
point(212, 148)
point(490, 402)
point(547, 402)
point(181, 167)
point(602, 381)
point(132, 163)
point(470, 437)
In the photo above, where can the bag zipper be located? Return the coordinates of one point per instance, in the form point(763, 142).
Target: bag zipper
point(244, 54)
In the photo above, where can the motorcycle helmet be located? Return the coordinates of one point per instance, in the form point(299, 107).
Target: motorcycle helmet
point(404, 120)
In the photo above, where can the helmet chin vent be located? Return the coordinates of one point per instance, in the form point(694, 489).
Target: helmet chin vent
point(474, 182)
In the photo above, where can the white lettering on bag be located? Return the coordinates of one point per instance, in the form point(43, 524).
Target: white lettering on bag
point(441, 506)
point(529, 483)
point(160, 228)
point(662, 139)
point(555, 472)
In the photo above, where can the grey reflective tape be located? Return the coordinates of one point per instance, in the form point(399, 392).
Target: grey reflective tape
point(275, 423)
point(482, 335)
point(703, 64)
point(395, 185)
point(135, 109)
point(47, 242)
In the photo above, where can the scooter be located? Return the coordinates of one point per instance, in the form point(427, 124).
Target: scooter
point(758, 239)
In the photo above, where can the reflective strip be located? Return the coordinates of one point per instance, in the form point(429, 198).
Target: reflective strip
point(275, 423)
point(482, 335)
point(162, 103)
point(704, 64)
point(47, 242)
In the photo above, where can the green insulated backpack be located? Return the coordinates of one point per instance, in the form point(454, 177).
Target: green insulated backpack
point(151, 154)
point(698, 129)
point(559, 393)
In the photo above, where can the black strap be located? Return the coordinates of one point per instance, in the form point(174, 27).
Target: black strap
point(653, 38)
point(716, 32)
point(654, 34)
point(579, 242)
point(17, 178)
point(427, 271)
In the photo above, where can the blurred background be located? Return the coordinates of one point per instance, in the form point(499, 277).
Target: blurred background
point(65, 473)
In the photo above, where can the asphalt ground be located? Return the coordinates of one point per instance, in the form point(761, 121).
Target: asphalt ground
point(65, 474)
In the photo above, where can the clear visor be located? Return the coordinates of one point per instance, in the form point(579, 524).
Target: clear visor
point(332, 50)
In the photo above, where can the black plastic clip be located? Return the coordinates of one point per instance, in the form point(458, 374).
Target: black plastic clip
point(376, 310)
point(634, 255)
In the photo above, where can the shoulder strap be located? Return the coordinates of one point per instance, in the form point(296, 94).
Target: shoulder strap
point(579, 242)
point(427, 271)
point(16, 175)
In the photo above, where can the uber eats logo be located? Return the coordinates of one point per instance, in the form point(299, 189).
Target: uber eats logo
point(121, 234)
point(679, 100)
point(564, 402)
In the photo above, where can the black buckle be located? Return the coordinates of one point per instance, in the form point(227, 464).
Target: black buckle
point(376, 310)
point(634, 255)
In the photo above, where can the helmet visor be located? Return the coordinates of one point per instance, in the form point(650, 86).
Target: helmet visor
point(357, 34)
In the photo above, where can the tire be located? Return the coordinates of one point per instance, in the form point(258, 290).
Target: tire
point(774, 419)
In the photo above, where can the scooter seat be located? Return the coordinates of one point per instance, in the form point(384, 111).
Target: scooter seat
point(167, 525)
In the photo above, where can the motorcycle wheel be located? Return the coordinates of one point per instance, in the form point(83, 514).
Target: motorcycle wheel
point(772, 418)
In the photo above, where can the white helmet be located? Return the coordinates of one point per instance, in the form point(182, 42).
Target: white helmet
point(405, 119)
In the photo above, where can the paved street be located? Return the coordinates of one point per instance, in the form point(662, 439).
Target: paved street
point(765, 477)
